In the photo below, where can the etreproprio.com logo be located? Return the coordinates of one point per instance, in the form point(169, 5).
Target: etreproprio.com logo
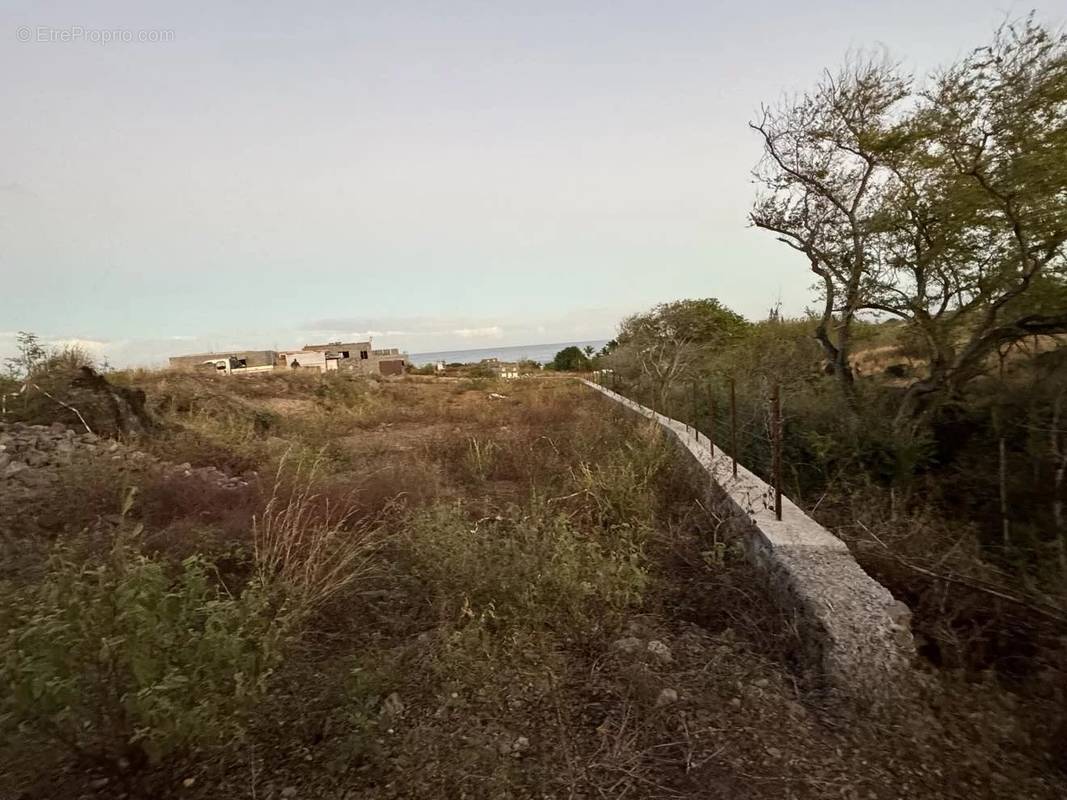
point(78, 33)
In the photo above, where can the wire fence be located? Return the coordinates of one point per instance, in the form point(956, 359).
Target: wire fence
point(749, 433)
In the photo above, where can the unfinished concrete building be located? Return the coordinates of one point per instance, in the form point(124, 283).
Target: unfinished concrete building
point(227, 361)
point(357, 357)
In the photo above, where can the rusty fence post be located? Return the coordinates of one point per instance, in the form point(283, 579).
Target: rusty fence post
point(711, 418)
point(693, 407)
point(733, 423)
point(776, 444)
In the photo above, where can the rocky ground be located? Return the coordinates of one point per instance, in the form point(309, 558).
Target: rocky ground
point(30, 455)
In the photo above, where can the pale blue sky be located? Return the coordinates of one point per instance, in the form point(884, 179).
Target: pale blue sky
point(447, 175)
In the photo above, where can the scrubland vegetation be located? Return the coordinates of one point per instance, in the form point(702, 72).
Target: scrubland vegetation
point(426, 591)
point(924, 396)
point(458, 587)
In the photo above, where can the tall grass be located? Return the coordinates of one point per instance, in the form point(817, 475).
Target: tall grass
point(308, 546)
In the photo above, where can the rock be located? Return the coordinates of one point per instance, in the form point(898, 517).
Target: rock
point(289, 791)
point(31, 478)
point(762, 683)
point(393, 707)
point(31, 454)
point(629, 645)
point(666, 697)
point(796, 709)
point(899, 614)
point(521, 745)
point(660, 651)
point(14, 468)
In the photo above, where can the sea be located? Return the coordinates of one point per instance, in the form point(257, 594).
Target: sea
point(542, 353)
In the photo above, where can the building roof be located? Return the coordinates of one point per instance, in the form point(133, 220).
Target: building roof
point(339, 346)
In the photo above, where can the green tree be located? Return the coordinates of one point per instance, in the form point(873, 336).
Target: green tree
point(704, 322)
point(667, 343)
point(942, 206)
point(984, 208)
point(571, 359)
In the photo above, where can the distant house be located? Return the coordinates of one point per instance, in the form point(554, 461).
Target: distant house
point(227, 362)
point(358, 357)
point(304, 359)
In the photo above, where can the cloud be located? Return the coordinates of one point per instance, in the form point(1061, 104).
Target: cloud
point(491, 332)
point(92, 345)
point(16, 188)
point(392, 326)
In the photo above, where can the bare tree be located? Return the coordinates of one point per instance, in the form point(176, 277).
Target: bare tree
point(824, 173)
point(946, 208)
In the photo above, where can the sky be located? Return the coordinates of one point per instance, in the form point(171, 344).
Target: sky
point(191, 176)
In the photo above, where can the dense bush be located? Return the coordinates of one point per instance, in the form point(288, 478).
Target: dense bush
point(570, 359)
point(126, 663)
point(530, 568)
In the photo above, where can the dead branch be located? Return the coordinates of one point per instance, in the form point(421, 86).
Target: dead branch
point(67, 406)
point(1044, 610)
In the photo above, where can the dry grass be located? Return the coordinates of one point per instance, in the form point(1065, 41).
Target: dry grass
point(308, 547)
point(473, 562)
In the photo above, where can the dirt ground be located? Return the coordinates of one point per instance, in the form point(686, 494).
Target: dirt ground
point(408, 688)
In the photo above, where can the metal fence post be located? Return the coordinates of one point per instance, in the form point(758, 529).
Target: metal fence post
point(733, 422)
point(776, 444)
point(711, 419)
point(693, 407)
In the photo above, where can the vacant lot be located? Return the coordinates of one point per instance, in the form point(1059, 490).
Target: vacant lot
point(423, 589)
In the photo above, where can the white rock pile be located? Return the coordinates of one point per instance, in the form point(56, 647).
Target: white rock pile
point(30, 456)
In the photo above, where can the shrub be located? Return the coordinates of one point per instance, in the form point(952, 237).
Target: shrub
point(124, 663)
point(480, 457)
point(482, 370)
point(341, 390)
point(530, 569)
point(618, 492)
point(570, 359)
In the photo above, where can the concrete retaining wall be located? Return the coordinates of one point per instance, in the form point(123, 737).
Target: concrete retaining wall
point(857, 638)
